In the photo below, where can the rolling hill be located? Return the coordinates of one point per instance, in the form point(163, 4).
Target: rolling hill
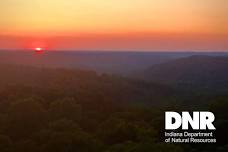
point(198, 72)
point(109, 62)
point(88, 86)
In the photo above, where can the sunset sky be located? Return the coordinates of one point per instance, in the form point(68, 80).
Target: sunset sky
point(151, 25)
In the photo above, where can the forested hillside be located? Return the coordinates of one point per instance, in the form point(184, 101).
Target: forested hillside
point(200, 73)
point(60, 110)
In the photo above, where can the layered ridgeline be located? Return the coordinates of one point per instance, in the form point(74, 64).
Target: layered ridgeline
point(208, 73)
point(111, 62)
point(87, 86)
point(121, 63)
point(60, 110)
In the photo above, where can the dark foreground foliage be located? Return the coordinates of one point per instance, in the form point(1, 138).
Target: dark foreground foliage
point(44, 110)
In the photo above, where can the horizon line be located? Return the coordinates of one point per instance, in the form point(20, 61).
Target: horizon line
point(119, 51)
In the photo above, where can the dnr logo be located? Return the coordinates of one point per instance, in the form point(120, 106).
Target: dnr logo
point(198, 120)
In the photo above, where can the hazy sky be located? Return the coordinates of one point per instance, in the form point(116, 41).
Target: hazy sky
point(115, 24)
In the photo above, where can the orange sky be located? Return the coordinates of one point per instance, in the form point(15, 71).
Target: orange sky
point(115, 24)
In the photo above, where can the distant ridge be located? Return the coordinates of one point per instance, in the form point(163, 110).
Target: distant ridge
point(194, 72)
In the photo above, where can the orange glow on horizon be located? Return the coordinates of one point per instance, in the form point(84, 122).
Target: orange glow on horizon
point(114, 24)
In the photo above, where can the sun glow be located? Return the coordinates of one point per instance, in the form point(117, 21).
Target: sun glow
point(39, 49)
point(114, 24)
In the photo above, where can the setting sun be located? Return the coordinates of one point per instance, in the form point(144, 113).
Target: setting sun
point(116, 24)
point(100, 75)
point(39, 49)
